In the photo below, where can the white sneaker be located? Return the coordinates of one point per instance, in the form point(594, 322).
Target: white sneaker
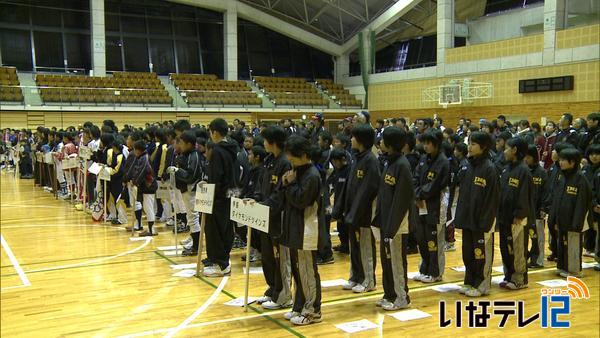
point(380, 302)
point(349, 285)
point(464, 289)
point(290, 315)
point(359, 288)
point(263, 299)
point(186, 241)
point(271, 305)
point(514, 286)
point(170, 222)
point(216, 271)
point(306, 319)
point(389, 306)
point(588, 253)
point(418, 277)
point(473, 292)
point(430, 279)
point(163, 219)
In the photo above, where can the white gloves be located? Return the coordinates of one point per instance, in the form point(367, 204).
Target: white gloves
point(172, 169)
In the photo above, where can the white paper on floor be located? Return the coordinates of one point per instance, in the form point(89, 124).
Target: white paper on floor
point(498, 269)
point(173, 253)
point(239, 302)
point(136, 239)
point(183, 266)
point(410, 315)
point(184, 273)
point(412, 275)
point(496, 280)
point(254, 270)
point(446, 287)
point(357, 326)
point(553, 283)
point(459, 268)
point(167, 248)
point(587, 265)
point(333, 282)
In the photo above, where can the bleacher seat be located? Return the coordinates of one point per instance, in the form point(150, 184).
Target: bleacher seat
point(207, 89)
point(290, 91)
point(338, 93)
point(9, 85)
point(122, 87)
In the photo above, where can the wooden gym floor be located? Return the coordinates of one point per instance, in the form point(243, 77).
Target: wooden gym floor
point(70, 277)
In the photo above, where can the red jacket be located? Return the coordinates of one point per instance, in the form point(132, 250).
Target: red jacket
point(546, 153)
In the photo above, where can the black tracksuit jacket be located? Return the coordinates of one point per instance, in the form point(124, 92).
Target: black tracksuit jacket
point(433, 176)
point(338, 181)
point(220, 169)
point(540, 185)
point(572, 200)
point(361, 189)
point(189, 172)
point(272, 194)
point(516, 194)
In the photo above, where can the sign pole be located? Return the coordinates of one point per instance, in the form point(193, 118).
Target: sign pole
point(248, 239)
point(200, 244)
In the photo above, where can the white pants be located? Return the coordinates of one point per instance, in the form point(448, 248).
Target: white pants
point(193, 220)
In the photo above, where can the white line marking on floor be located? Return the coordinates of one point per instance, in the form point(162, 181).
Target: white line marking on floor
point(199, 311)
point(14, 262)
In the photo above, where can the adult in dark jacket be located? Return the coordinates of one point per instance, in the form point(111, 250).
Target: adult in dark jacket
point(476, 210)
point(431, 195)
point(571, 204)
point(566, 132)
point(395, 199)
point(359, 198)
point(514, 213)
point(337, 181)
point(590, 171)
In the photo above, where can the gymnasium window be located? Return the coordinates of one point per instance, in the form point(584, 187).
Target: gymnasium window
point(495, 6)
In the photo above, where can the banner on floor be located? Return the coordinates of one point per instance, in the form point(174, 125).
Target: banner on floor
point(85, 153)
point(205, 194)
point(254, 215)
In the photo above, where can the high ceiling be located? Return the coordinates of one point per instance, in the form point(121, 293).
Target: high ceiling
point(334, 20)
point(339, 20)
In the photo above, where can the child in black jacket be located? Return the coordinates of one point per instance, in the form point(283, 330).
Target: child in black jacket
point(476, 210)
point(589, 171)
point(303, 216)
point(142, 177)
point(516, 209)
point(536, 229)
point(253, 191)
point(571, 205)
point(433, 175)
point(395, 199)
point(337, 181)
point(359, 199)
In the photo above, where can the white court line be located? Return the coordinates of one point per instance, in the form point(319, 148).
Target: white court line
point(199, 311)
point(15, 263)
point(270, 313)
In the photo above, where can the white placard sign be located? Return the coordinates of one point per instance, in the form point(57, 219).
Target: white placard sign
point(70, 163)
point(85, 153)
point(39, 157)
point(104, 174)
point(162, 192)
point(48, 158)
point(254, 215)
point(205, 194)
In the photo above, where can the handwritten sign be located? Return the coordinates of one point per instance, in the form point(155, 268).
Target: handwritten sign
point(85, 153)
point(48, 158)
point(104, 174)
point(162, 193)
point(39, 157)
point(70, 163)
point(254, 215)
point(205, 194)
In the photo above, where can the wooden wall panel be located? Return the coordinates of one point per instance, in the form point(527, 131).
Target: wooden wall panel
point(14, 120)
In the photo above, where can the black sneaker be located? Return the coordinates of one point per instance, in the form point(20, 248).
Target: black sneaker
point(534, 265)
point(190, 252)
point(552, 258)
point(206, 262)
point(116, 222)
point(182, 228)
point(324, 261)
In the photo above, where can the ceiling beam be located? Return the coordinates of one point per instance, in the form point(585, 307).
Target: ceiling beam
point(386, 18)
point(271, 22)
point(319, 13)
point(345, 11)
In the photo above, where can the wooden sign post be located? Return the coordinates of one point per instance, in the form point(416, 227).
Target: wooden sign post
point(255, 216)
point(85, 153)
point(205, 194)
point(104, 175)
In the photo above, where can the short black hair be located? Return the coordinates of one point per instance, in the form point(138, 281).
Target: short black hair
point(411, 140)
point(433, 136)
point(188, 136)
point(560, 146)
point(297, 146)
point(118, 142)
point(219, 125)
point(533, 152)
point(569, 117)
point(364, 134)
point(139, 145)
point(338, 154)
point(483, 139)
point(524, 123)
point(570, 154)
point(137, 135)
point(501, 117)
point(259, 152)
point(201, 141)
point(275, 135)
point(520, 144)
point(595, 116)
point(107, 139)
point(505, 135)
point(182, 125)
point(461, 148)
point(95, 132)
point(593, 149)
point(394, 138)
point(343, 138)
point(326, 136)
